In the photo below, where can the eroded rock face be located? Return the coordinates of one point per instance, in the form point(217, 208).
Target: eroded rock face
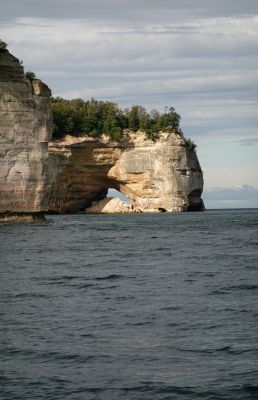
point(161, 175)
point(25, 126)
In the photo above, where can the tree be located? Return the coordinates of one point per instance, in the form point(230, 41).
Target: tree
point(111, 126)
point(30, 75)
point(144, 122)
point(3, 45)
point(173, 120)
point(91, 118)
point(95, 117)
point(63, 119)
point(133, 119)
point(190, 145)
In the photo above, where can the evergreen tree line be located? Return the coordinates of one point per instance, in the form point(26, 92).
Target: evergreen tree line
point(95, 117)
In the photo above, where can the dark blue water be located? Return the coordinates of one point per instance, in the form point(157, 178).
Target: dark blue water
point(130, 307)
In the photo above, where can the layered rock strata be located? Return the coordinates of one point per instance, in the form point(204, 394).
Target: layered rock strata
point(161, 175)
point(25, 126)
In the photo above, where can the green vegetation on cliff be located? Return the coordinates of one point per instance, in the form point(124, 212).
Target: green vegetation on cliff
point(30, 75)
point(3, 45)
point(95, 117)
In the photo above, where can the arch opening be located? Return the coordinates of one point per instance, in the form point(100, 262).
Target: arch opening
point(113, 202)
point(114, 193)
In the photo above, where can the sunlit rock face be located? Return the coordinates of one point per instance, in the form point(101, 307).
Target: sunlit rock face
point(156, 176)
point(25, 126)
point(109, 205)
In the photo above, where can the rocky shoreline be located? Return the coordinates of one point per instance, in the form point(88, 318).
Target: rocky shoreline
point(22, 217)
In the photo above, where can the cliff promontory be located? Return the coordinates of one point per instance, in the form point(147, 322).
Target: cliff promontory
point(25, 126)
point(160, 175)
point(69, 174)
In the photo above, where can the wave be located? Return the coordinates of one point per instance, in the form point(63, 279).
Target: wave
point(226, 349)
point(109, 277)
point(243, 287)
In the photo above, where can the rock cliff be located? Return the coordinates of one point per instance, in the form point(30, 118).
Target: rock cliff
point(68, 175)
point(25, 125)
point(161, 175)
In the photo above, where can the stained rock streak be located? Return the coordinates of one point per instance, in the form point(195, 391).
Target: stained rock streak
point(25, 126)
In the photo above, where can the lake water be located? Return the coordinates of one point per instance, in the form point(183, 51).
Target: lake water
point(130, 307)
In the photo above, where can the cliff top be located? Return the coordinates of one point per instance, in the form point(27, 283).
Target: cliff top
point(10, 67)
point(127, 139)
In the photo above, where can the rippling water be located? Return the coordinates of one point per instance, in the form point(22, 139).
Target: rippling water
point(130, 307)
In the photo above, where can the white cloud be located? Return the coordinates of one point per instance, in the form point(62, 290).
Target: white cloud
point(117, 10)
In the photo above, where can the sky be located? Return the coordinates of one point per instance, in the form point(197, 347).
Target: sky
point(199, 56)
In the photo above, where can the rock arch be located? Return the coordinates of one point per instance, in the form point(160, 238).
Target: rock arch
point(154, 175)
point(66, 176)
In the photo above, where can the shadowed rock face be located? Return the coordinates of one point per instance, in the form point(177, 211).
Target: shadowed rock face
point(155, 176)
point(25, 124)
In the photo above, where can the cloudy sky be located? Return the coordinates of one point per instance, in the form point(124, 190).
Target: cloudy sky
point(200, 56)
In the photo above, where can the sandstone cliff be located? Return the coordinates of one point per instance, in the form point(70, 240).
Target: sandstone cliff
point(161, 175)
point(25, 125)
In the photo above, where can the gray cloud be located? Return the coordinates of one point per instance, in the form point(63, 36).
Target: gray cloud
point(241, 197)
point(244, 192)
point(126, 10)
point(206, 68)
point(248, 141)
